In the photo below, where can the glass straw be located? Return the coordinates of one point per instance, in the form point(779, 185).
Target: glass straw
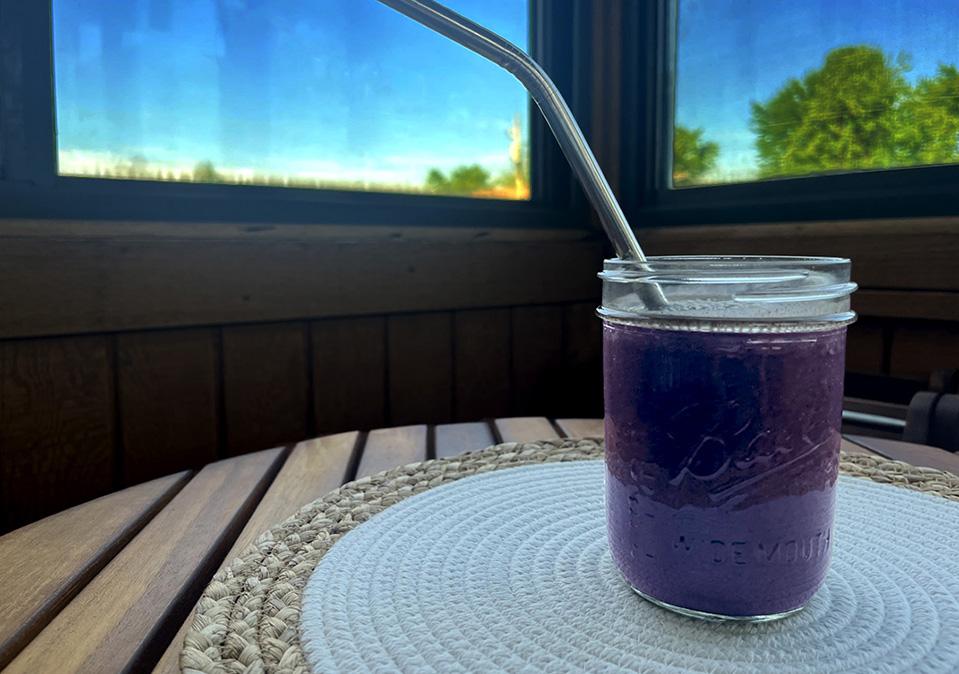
point(511, 58)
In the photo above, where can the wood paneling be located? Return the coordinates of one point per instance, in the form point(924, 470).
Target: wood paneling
point(900, 254)
point(481, 344)
point(128, 230)
point(70, 284)
point(420, 370)
point(265, 386)
point(56, 425)
point(920, 348)
point(127, 615)
point(907, 304)
point(522, 338)
point(864, 346)
point(582, 388)
point(69, 277)
point(387, 448)
point(175, 405)
point(168, 401)
point(45, 564)
point(538, 382)
point(349, 374)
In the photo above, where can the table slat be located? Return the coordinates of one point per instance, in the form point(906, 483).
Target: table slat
point(314, 468)
point(581, 428)
point(454, 439)
point(853, 448)
point(45, 564)
point(126, 615)
point(525, 429)
point(910, 452)
point(391, 447)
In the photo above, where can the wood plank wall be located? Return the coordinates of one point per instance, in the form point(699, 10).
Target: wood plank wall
point(81, 416)
point(902, 348)
point(99, 390)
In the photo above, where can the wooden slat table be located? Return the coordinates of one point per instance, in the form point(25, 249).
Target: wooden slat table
point(110, 585)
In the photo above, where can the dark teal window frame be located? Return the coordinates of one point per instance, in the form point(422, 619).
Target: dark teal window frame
point(30, 187)
point(647, 35)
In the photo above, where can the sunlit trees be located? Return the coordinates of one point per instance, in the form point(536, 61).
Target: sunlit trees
point(462, 180)
point(857, 111)
point(693, 157)
point(205, 172)
point(928, 122)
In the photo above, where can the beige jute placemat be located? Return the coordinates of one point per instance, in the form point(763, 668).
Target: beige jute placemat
point(248, 617)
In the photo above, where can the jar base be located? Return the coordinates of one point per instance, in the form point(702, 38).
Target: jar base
point(717, 617)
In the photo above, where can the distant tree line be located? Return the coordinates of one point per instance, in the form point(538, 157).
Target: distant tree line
point(461, 181)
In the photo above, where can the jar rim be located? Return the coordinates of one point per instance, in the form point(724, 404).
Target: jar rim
point(724, 289)
point(797, 258)
point(721, 261)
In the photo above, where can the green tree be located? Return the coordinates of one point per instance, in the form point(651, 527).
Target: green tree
point(693, 157)
point(928, 126)
point(205, 172)
point(462, 180)
point(437, 182)
point(843, 115)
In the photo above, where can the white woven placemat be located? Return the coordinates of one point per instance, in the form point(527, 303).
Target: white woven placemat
point(510, 571)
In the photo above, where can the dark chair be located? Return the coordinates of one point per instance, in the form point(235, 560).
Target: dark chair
point(933, 419)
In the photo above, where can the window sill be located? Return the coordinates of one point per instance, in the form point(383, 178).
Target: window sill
point(59, 277)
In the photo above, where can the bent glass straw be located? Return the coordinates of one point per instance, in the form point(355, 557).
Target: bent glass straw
point(531, 75)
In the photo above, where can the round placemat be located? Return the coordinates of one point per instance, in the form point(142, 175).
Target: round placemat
point(510, 571)
point(248, 617)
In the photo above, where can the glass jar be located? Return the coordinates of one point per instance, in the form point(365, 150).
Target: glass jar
point(723, 381)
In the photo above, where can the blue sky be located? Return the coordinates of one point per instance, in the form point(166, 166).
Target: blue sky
point(731, 52)
point(350, 90)
point(342, 89)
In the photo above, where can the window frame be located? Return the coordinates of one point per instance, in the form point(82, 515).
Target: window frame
point(648, 39)
point(31, 188)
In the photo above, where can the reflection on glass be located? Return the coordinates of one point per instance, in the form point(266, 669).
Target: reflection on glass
point(780, 88)
point(341, 94)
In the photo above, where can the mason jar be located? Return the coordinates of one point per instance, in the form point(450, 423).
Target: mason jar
point(723, 381)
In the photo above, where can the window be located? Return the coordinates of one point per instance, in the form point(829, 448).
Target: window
point(341, 112)
point(771, 111)
point(781, 88)
point(341, 94)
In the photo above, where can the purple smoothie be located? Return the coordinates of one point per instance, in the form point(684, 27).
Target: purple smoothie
point(722, 452)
